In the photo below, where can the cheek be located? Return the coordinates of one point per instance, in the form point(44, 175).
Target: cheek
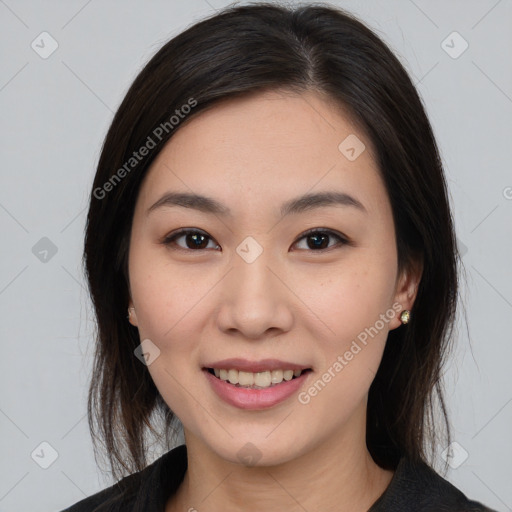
point(354, 302)
point(169, 313)
point(355, 307)
point(167, 298)
point(351, 298)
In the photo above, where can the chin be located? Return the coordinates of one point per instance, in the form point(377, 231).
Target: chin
point(257, 450)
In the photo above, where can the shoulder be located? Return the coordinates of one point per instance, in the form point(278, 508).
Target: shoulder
point(111, 498)
point(416, 487)
point(146, 490)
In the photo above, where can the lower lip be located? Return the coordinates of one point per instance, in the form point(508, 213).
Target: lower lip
point(245, 398)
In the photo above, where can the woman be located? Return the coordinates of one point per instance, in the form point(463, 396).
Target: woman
point(270, 210)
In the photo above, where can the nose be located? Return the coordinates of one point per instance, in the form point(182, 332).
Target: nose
point(255, 301)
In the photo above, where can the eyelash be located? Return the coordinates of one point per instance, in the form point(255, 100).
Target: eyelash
point(170, 239)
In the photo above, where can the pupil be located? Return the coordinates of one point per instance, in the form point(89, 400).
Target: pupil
point(195, 237)
point(316, 245)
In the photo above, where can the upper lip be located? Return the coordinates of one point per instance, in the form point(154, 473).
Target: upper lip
point(255, 366)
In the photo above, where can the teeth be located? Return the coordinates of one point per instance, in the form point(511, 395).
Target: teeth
point(288, 374)
point(244, 378)
point(262, 379)
point(277, 376)
point(233, 376)
point(256, 380)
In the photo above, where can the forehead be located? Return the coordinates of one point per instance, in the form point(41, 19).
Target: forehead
point(265, 148)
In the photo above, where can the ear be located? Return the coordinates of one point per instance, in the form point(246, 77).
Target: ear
point(406, 290)
point(132, 314)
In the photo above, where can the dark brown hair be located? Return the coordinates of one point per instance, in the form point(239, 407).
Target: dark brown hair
point(244, 50)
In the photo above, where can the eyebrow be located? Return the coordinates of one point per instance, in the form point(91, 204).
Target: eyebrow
point(293, 206)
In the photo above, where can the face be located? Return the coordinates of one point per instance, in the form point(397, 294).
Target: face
point(271, 284)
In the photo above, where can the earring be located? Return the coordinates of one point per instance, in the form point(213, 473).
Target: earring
point(129, 312)
point(405, 316)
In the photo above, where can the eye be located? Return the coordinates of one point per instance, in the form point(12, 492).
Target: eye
point(319, 236)
point(196, 240)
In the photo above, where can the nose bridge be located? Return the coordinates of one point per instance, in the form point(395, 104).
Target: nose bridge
point(252, 301)
point(251, 271)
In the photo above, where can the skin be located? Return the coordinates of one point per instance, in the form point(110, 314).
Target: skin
point(294, 302)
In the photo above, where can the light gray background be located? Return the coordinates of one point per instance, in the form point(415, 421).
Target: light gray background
point(55, 113)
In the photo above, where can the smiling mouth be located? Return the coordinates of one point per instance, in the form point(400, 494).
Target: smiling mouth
point(259, 380)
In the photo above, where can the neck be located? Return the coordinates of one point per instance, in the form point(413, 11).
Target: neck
point(338, 474)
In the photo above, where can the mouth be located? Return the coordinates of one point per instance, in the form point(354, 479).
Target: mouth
point(256, 380)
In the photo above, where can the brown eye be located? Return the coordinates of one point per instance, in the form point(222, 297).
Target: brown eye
point(193, 240)
point(318, 240)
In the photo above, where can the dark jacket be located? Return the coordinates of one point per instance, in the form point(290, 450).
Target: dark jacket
point(413, 488)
